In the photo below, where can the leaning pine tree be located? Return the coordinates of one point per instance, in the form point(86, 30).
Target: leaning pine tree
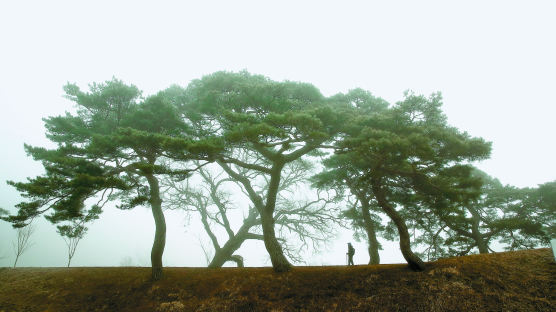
point(111, 149)
point(406, 149)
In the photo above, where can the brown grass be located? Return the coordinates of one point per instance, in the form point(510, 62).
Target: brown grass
point(511, 281)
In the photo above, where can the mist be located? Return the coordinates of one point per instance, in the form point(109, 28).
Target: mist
point(493, 62)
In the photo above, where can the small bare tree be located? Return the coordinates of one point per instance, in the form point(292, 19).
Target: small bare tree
point(126, 261)
point(22, 244)
point(74, 230)
point(2, 255)
point(207, 252)
point(72, 235)
point(2, 213)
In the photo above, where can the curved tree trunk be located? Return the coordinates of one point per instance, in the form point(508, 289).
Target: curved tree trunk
point(225, 253)
point(160, 227)
point(415, 263)
point(279, 261)
point(266, 212)
point(222, 256)
point(374, 257)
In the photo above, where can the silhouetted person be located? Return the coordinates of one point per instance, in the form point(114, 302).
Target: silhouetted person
point(350, 253)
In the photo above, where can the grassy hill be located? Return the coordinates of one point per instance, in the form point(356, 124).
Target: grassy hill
point(509, 281)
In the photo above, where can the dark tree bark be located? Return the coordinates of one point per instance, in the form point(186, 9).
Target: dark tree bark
point(480, 239)
point(374, 257)
point(279, 261)
point(224, 254)
point(160, 227)
point(221, 256)
point(482, 245)
point(415, 263)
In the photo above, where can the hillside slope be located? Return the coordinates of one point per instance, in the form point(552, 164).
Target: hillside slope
point(510, 281)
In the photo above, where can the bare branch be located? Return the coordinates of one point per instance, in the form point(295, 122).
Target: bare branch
point(22, 243)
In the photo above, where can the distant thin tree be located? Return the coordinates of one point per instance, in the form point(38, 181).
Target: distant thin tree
point(75, 230)
point(126, 261)
point(72, 234)
point(22, 244)
point(207, 252)
point(3, 212)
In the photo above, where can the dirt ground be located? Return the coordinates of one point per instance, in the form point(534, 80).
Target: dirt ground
point(510, 281)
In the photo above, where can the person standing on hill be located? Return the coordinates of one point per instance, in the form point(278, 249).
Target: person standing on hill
point(350, 253)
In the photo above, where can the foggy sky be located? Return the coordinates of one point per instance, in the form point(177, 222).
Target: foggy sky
point(493, 61)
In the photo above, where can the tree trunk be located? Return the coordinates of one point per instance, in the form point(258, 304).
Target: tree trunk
point(476, 232)
point(415, 263)
point(482, 245)
point(225, 253)
point(160, 228)
point(220, 257)
point(15, 262)
point(279, 261)
point(374, 257)
point(266, 211)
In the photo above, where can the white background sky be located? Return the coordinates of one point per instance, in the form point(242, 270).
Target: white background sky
point(493, 61)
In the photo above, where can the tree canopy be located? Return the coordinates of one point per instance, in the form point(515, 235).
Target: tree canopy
point(279, 122)
point(397, 155)
point(398, 167)
point(111, 149)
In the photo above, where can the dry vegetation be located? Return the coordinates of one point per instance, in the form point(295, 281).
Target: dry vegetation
point(512, 281)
